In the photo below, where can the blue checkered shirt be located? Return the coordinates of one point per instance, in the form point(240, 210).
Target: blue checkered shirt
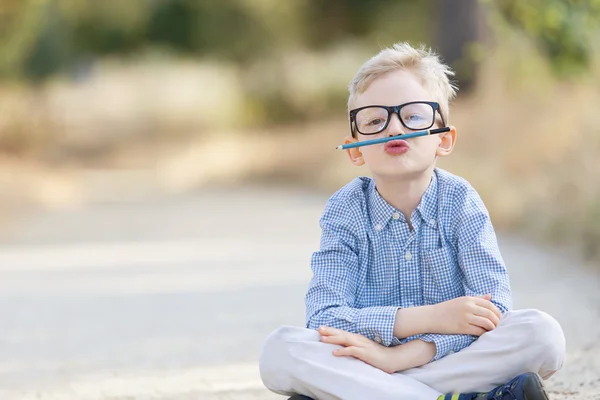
point(370, 263)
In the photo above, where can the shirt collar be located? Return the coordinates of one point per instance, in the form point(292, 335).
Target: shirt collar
point(382, 212)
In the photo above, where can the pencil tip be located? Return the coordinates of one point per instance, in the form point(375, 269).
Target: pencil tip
point(338, 148)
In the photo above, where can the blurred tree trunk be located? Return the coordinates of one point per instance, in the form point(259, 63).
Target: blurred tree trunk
point(460, 29)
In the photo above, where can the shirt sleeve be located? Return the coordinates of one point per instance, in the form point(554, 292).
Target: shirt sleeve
point(447, 344)
point(478, 253)
point(481, 263)
point(331, 293)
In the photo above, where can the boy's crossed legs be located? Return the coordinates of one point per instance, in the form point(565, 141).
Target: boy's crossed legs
point(295, 361)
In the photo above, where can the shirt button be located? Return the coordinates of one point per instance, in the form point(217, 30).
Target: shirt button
point(378, 227)
point(396, 215)
point(378, 339)
point(408, 256)
point(432, 221)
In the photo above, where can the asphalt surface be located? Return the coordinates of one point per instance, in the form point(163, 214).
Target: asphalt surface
point(171, 298)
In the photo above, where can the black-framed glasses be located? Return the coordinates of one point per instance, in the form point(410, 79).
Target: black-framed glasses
point(416, 115)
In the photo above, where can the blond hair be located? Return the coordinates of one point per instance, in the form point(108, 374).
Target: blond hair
point(422, 61)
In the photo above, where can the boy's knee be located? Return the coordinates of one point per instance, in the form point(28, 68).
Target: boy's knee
point(278, 358)
point(553, 343)
point(547, 331)
point(543, 334)
point(274, 357)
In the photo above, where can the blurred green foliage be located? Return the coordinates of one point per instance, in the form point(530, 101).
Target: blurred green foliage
point(40, 38)
point(563, 29)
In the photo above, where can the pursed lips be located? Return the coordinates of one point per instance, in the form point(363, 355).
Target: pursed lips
point(396, 146)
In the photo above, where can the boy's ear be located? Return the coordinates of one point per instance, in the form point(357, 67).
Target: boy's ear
point(354, 154)
point(448, 139)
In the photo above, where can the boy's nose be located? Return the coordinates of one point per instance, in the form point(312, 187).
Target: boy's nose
point(395, 127)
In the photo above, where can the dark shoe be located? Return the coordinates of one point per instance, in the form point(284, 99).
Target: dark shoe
point(299, 397)
point(524, 387)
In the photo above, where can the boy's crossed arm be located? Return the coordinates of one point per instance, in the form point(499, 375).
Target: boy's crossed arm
point(460, 315)
point(454, 321)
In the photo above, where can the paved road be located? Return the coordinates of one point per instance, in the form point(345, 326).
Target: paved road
point(171, 298)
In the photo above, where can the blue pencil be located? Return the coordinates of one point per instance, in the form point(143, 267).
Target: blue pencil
point(387, 139)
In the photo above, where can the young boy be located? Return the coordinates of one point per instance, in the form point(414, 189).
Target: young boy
point(410, 298)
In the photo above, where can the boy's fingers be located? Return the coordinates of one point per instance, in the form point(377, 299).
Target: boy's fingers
point(483, 323)
point(481, 302)
point(351, 351)
point(335, 339)
point(496, 311)
point(324, 333)
point(488, 314)
point(343, 339)
point(476, 331)
point(325, 330)
point(492, 307)
point(356, 339)
point(489, 305)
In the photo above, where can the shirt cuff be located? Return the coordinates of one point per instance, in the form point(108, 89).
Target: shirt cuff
point(377, 323)
point(447, 344)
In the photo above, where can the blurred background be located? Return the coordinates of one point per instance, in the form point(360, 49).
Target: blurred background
point(163, 165)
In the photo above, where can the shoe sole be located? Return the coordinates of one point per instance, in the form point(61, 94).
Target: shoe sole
point(534, 388)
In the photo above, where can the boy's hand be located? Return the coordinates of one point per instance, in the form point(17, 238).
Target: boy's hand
point(466, 315)
point(360, 347)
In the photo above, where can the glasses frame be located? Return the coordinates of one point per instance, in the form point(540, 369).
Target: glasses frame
point(391, 111)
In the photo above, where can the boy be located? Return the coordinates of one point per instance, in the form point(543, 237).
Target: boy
point(410, 298)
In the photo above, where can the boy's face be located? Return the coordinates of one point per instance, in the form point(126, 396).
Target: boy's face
point(411, 157)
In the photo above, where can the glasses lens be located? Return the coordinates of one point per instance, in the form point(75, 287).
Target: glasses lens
point(417, 116)
point(371, 120)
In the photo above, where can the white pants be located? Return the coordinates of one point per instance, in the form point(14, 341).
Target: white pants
point(294, 361)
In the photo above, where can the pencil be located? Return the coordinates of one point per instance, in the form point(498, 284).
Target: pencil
point(396, 137)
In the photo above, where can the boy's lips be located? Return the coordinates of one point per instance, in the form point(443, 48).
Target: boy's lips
point(397, 146)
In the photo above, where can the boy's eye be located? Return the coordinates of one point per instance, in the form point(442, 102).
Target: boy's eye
point(415, 117)
point(371, 119)
point(376, 121)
